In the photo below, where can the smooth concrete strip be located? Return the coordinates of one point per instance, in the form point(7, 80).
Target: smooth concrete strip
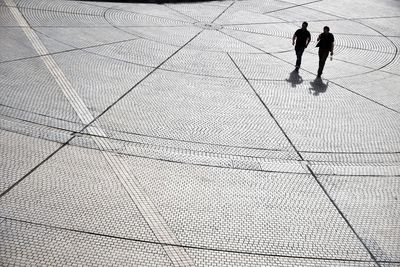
point(160, 228)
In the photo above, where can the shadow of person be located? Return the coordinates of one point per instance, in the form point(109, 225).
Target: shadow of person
point(318, 86)
point(294, 78)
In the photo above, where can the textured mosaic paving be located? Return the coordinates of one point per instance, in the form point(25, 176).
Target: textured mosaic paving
point(177, 133)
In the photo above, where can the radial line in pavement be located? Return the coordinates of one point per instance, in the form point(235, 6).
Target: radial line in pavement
point(147, 208)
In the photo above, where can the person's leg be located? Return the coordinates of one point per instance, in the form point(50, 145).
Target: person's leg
point(299, 54)
point(323, 55)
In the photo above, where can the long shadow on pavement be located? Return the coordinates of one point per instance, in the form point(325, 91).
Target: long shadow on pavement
point(318, 86)
point(294, 78)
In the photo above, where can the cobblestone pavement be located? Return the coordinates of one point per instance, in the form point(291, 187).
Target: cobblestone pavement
point(176, 133)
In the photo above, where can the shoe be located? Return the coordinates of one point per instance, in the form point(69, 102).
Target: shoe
point(319, 76)
point(297, 68)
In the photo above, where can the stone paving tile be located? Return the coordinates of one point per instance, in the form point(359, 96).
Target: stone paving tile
point(6, 18)
point(347, 32)
point(128, 18)
point(161, 103)
point(274, 28)
point(216, 41)
point(301, 13)
point(38, 131)
point(175, 36)
point(385, 26)
point(209, 12)
point(59, 14)
point(393, 67)
point(264, 7)
point(270, 42)
point(371, 204)
point(356, 127)
point(203, 156)
point(191, 156)
point(347, 45)
point(99, 89)
point(82, 37)
point(19, 154)
point(353, 158)
point(354, 169)
point(70, 8)
point(373, 60)
point(52, 45)
point(164, 11)
point(366, 86)
point(224, 258)
point(246, 164)
point(76, 189)
point(138, 51)
point(176, 155)
point(26, 85)
point(282, 166)
point(17, 46)
point(389, 8)
point(394, 264)
point(253, 68)
point(247, 211)
point(216, 64)
point(244, 12)
point(19, 117)
point(132, 141)
point(35, 245)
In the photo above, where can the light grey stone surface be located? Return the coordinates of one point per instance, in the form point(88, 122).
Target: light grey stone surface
point(76, 189)
point(161, 102)
point(213, 258)
point(36, 245)
point(16, 45)
point(99, 89)
point(19, 154)
point(247, 211)
point(356, 126)
point(27, 86)
point(371, 205)
point(136, 133)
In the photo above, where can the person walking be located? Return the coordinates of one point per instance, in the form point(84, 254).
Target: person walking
point(301, 39)
point(325, 43)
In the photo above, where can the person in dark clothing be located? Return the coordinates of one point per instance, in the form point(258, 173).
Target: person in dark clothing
point(300, 40)
point(325, 44)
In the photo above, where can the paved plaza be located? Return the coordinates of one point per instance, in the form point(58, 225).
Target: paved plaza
point(177, 133)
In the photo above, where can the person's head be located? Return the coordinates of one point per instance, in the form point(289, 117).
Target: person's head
point(326, 29)
point(304, 25)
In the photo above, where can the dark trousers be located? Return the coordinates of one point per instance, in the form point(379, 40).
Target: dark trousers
point(323, 55)
point(299, 54)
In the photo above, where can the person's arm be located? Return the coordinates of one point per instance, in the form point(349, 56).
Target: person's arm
point(332, 45)
point(308, 39)
point(294, 39)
